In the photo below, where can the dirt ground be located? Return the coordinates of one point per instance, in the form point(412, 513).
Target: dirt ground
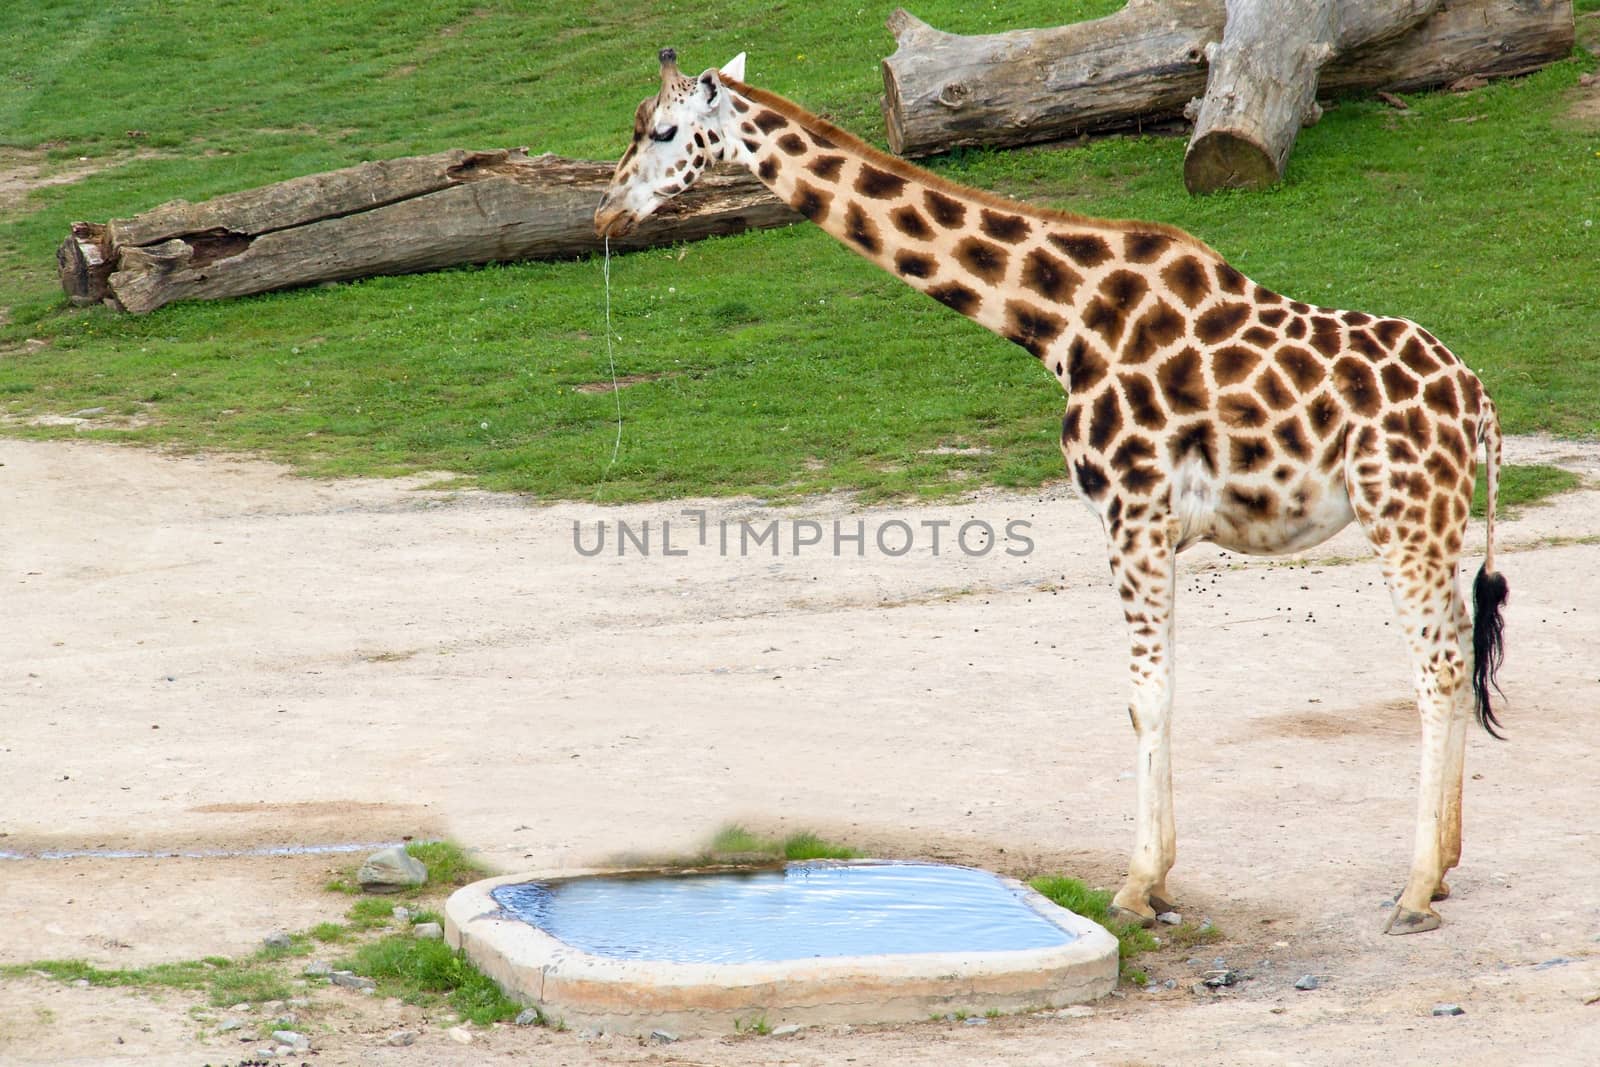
point(204, 653)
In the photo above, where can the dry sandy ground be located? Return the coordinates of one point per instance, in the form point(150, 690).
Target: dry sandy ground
point(208, 653)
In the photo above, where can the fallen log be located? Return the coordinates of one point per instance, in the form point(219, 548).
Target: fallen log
point(395, 216)
point(1264, 74)
point(1147, 61)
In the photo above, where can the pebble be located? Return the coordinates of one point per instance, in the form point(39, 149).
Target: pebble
point(81, 983)
point(400, 1038)
point(588, 1035)
point(278, 940)
point(662, 1037)
point(391, 870)
point(241, 1006)
point(1171, 918)
point(352, 981)
point(1449, 1009)
point(1558, 961)
point(786, 1030)
point(1308, 981)
point(976, 1020)
point(229, 1024)
point(459, 1035)
point(1225, 977)
point(296, 1041)
point(402, 913)
point(527, 1016)
point(317, 968)
point(428, 931)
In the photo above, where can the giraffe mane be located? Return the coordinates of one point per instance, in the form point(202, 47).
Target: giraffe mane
point(904, 169)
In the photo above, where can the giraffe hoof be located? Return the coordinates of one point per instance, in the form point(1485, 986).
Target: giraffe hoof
point(1443, 892)
point(1160, 904)
point(1405, 921)
point(1128, 915)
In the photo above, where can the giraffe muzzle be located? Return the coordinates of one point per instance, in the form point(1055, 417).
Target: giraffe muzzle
point(613, 220)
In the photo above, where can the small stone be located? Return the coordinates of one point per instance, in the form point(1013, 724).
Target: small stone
point(1171, 918)
point(1076, 1011)
point(318, 969)
point(662, 1037)
point(976, 1020)
point(1224, 977)
point(1559, 961)
point(81, 983)
point(296, 1041)
point(353, 981)
point(528, 1017)
point(401, 1038)
point(1170, 983)
point(401, 913)
point(278, 940)
point(391, 870)
point(588, 1035)
point(1308, 981)
point(459, 1035)
point(428, 931)
point(786, 1030)
point(229, 1024)
point(1449, 1009)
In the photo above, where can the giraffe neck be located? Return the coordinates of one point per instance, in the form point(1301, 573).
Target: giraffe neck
point(1065, 287)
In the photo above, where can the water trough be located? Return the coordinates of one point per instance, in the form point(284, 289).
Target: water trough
point(718, 950)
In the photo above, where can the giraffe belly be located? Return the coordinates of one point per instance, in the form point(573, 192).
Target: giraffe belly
point(1256, 516)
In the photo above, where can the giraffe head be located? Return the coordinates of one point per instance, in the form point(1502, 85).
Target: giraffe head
point(677, 134)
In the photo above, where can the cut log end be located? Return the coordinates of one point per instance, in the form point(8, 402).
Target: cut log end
point(1221, 160)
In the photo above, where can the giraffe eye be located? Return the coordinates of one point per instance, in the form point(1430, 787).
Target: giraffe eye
point(664, 135)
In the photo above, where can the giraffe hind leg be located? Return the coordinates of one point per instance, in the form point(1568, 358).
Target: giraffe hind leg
point(1419, 544)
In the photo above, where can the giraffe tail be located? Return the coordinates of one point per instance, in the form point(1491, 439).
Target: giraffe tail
point(1489, 590)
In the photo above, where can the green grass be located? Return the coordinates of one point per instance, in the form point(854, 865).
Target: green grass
point(448, 865)
point(787, 365)
point(1522, 485)
point(222, 980)
point(1095, 904)
point(430, 972)
point(803, 845)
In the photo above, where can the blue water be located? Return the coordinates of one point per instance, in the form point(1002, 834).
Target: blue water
point(804, 911)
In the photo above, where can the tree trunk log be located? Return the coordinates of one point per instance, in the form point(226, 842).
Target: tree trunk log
point(1145, 62)
point(390, 217)
point(1263, 82)
point(943, 90)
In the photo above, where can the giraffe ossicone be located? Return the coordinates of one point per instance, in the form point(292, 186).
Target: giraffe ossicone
point(1200, 407)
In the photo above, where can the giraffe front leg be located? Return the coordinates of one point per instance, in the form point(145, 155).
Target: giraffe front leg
point(1142, 566)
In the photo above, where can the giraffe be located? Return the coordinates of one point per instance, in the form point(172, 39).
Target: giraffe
point(1200, 407)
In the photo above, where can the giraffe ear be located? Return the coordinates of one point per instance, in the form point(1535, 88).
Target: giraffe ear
point(710, 86)
point(734, 68)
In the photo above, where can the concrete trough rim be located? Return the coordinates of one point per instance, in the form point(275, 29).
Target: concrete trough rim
point(636, 996)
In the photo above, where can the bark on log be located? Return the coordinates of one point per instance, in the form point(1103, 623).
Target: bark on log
point(1264, 74)
point(390, 217)
point(1145, 62)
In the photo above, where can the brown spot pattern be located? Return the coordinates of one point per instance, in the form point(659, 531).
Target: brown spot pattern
point(826, 167)
point(1085, 368)
point(1304, 369)
point(1031, 327)
point(1241, 409)
point(956, 296)
point(1221, 322)
point(1353, 379)
point(1156, 329)
point(983, 259)
point(1048, 276)
point(1187, 279)
point(879, 184)
point(810, 202)
point(946, 212)
point(1086, 249)
point(915, 265)
point(909, 221)
point(1182, 383)
point(1145, 247)
point(1142, 404)
point(792, 144)
point(767, 121)
point(1105, 420)
point(1003, 227)
point(1233, 364)
point(1398, 384)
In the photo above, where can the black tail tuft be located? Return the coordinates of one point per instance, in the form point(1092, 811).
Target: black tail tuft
point(1489, 594)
